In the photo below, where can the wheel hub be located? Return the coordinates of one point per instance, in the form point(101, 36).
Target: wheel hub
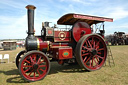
point(35, 66)
point(93, 52)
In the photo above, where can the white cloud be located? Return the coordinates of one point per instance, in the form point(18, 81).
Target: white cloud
point(119, 26)
point(12, 3)
point(85, 2)
point(77, 0)
point(14, 27)
point(118, 13)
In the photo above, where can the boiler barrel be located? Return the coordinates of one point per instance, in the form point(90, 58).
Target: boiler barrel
point(36, 44)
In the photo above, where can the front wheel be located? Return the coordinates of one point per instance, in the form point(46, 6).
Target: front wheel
point(91, 52)
point(34, 66)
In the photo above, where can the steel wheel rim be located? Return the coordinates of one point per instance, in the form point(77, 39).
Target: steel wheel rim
point(18, 58)
point(34, 68)
point(93, 52)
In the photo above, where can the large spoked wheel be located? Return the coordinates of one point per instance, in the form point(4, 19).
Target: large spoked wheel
point(34, 66)
point(91, 52)
point(18, 57)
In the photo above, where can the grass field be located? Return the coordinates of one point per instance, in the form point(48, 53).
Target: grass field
point(71, 74)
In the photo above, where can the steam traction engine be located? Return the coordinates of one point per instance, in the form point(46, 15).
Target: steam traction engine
point(77, 44)
point(118, 38)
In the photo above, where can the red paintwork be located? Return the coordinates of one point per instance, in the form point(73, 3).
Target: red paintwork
point(49, 31)
point(93, 62)
point(89, 51)
point(71, 19)
point(59, 44)
point(42, 44)
point(59, 52)
point(28, 72)
point(103, 36)
point(78, 28)
point(62, 36)
point(92, 17)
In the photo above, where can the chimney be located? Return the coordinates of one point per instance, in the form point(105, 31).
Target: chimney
point(30, 12)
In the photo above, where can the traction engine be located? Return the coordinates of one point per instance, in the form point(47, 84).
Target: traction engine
point(75, 45)
point(118, 38)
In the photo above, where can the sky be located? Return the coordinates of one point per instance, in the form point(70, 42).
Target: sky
point(13, 14)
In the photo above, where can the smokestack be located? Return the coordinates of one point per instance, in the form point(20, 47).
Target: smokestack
point(30, 11)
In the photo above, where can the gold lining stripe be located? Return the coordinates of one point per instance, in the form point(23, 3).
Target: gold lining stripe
point(48, 45)
point(38, 44)
point(59, 44)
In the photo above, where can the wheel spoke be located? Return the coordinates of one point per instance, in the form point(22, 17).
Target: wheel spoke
point(94, 44)
point(100, 49)
point(42, 65)
point(99, 53)
point(92, 40)
point(27, 61)
point(85, 58)
point(86, 43)
point(38, 60)
point(41, 69)
point(96, 62)
point(97, 45)
point(27, 70)
point(38, 72)
point(31, 59)
point(99, 56)
point(89, 43)
point(30, 73)
point(34, 73)
point(86, 48)
point(85, 54)
point(96, 58)
point(84, 51)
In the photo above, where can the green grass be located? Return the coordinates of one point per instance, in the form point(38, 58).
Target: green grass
point(72, 74)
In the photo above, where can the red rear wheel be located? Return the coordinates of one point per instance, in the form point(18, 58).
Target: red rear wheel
point(91, 52)
point(34, 66)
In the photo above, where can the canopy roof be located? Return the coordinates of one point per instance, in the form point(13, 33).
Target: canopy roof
point(70, 19)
